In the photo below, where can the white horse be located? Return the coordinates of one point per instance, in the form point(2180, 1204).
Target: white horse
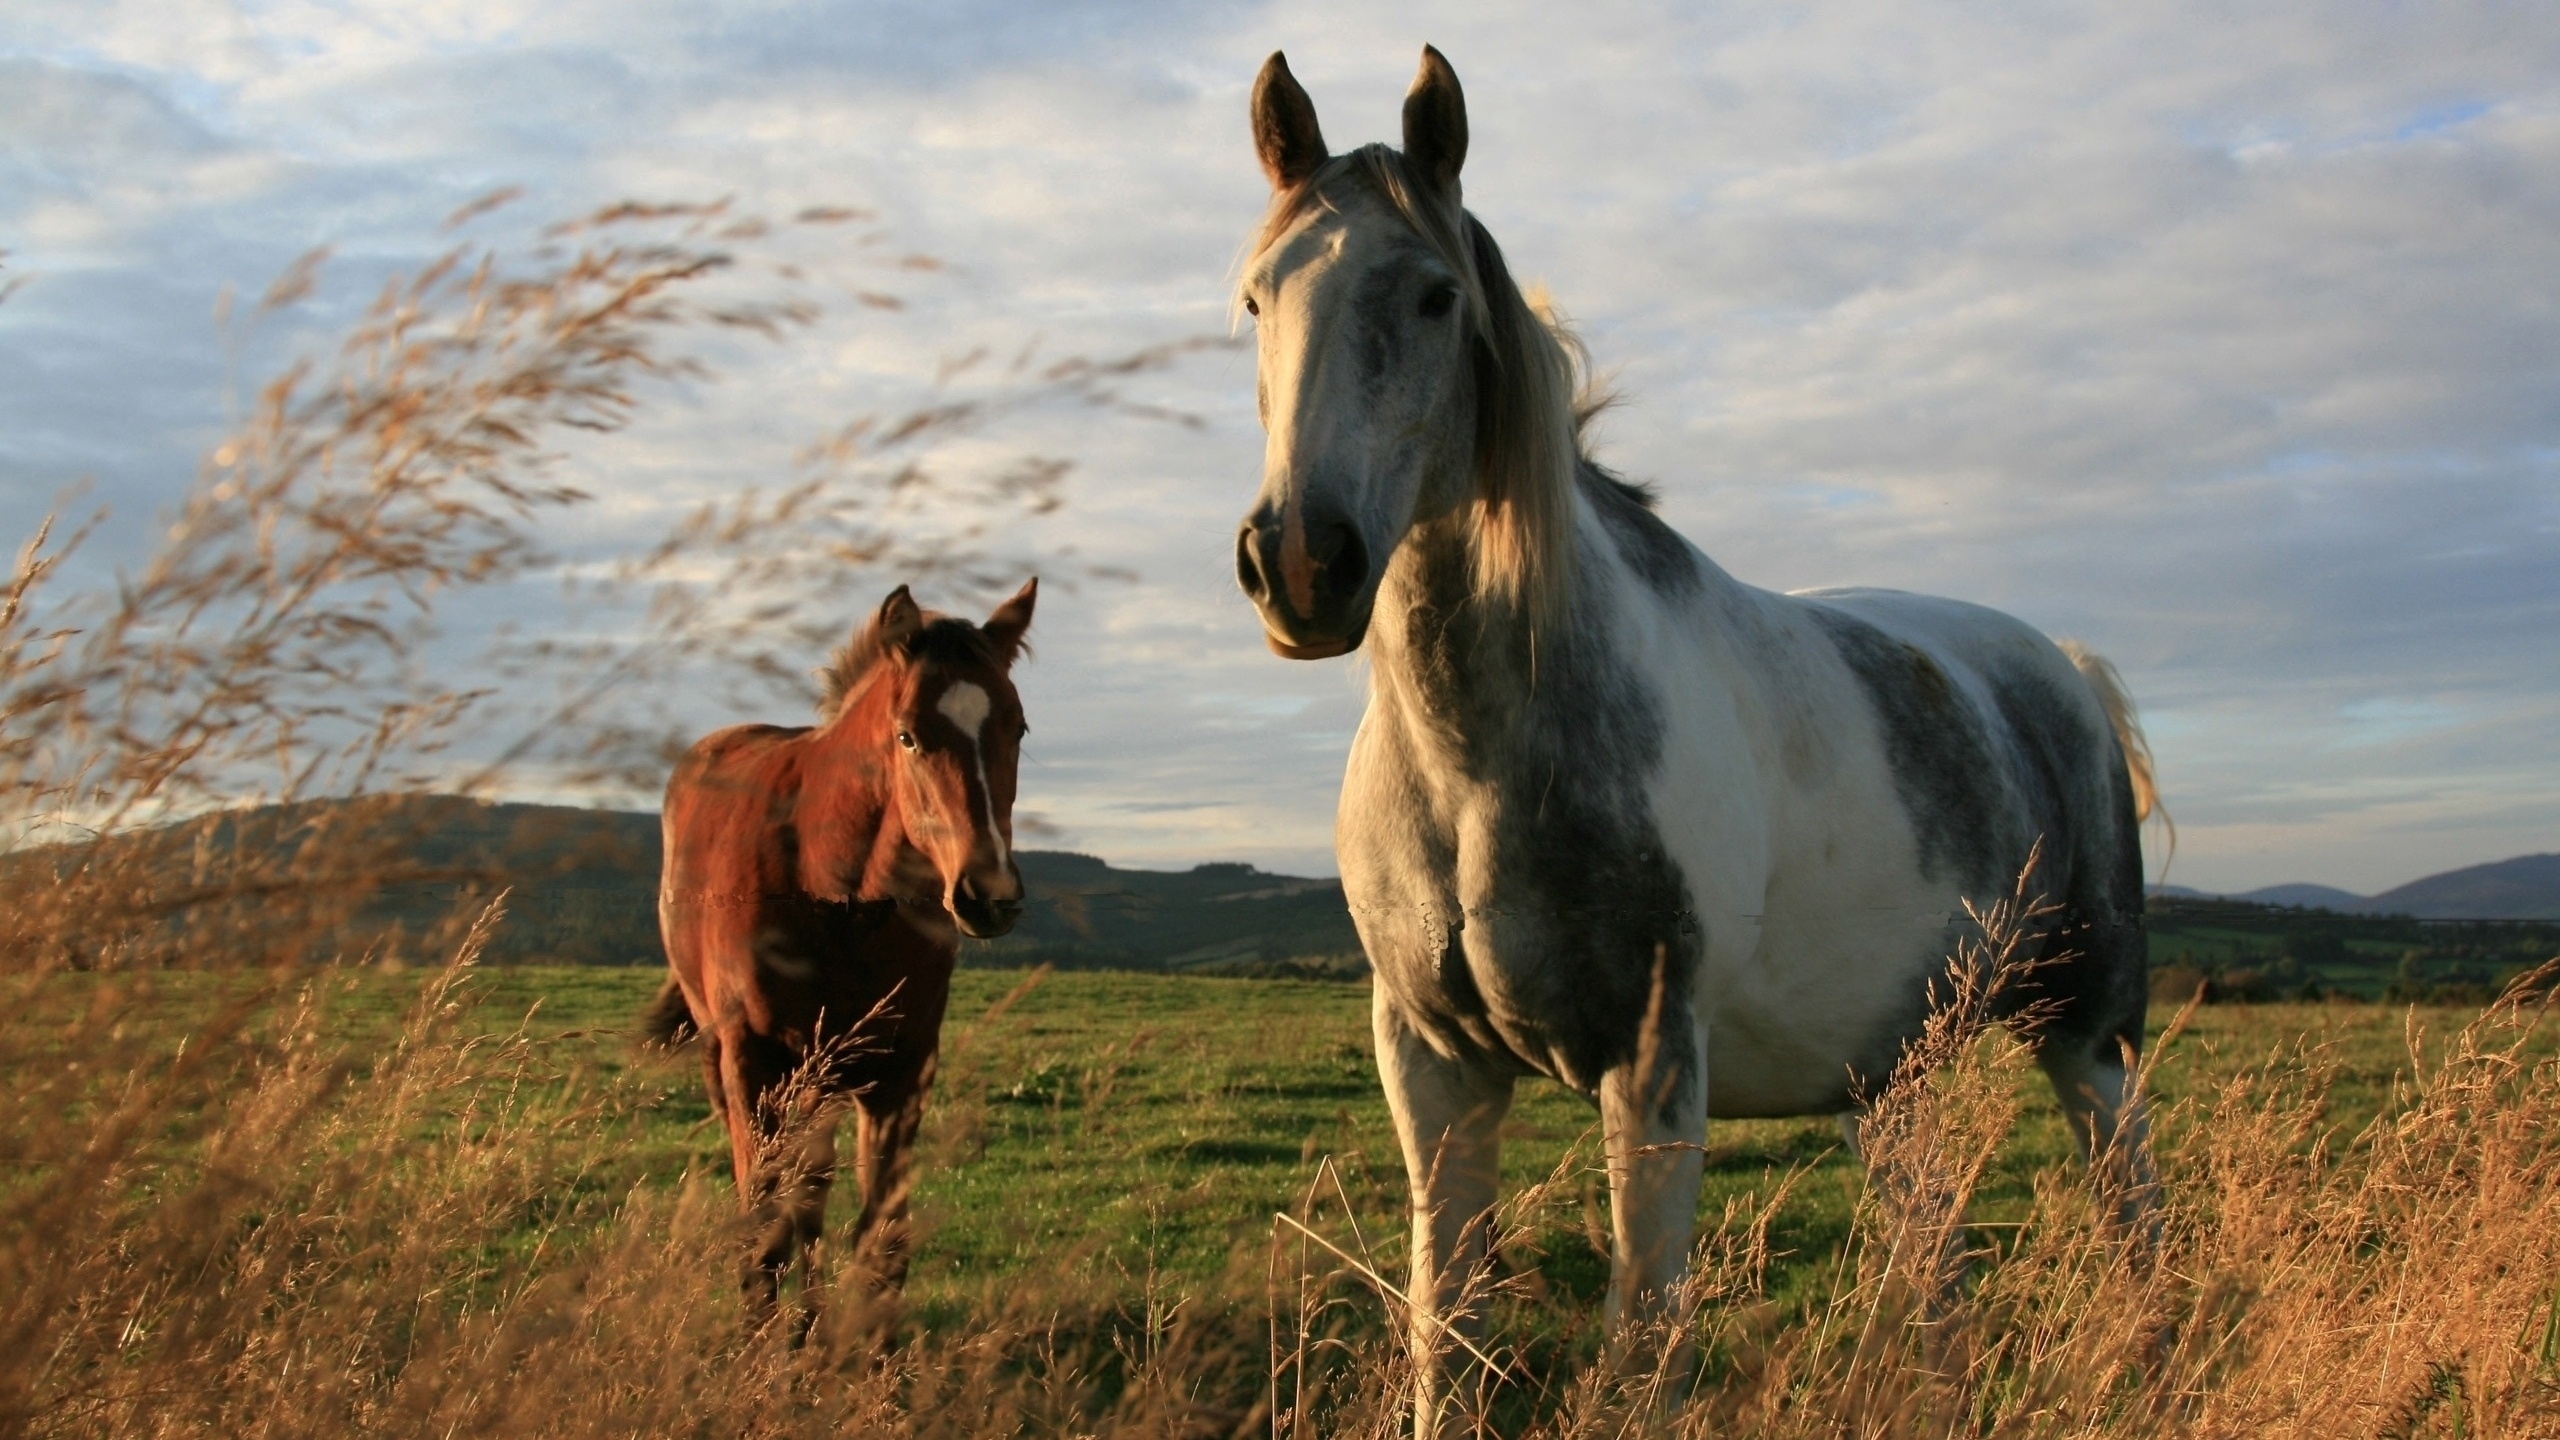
point(1610, 806)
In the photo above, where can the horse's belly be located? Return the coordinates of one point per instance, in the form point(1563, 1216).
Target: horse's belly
point(1816, 1016)
point(1800, 1019)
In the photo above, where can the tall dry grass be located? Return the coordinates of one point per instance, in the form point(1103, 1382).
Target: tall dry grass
point(2401, 1279)
point(269, 1231)
point(284, 1225)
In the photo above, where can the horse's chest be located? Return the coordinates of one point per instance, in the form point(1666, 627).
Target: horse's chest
point(1536, 923)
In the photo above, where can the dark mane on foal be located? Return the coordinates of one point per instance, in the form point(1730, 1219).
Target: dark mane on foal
point(945, 639)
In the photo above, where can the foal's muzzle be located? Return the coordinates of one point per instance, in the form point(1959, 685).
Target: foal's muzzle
point(1313, 588)
point(986, 901)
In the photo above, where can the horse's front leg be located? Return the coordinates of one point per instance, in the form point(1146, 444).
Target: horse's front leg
point(1653, 1124)
point(1448, 1115)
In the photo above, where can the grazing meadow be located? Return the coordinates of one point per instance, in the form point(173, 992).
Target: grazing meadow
point(464, 1200)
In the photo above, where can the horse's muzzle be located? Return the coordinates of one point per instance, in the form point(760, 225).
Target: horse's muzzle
point(986, 906)
point(1313, 589)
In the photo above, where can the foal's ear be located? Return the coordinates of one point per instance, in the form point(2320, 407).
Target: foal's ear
point(1284, 126)
point(897, 622)
point(1012, 618)
point(1435, 123)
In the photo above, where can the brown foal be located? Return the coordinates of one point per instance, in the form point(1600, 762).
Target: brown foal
point(816, 884)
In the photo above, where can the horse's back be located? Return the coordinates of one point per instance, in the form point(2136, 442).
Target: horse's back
point(1995, 739)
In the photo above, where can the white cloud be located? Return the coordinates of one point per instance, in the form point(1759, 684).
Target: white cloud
point(2226, 343)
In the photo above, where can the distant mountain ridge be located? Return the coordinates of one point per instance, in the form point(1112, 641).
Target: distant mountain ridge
point(2308, 897)
point(2526, 887)
point(582, 888)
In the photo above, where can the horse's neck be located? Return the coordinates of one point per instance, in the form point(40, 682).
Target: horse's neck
point(1473, 680)
point(1463, 667)
point(850, 841)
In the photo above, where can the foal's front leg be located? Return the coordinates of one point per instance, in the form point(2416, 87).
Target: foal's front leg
point(1448, 1117)
point(785, 1163)
point(889, 1114)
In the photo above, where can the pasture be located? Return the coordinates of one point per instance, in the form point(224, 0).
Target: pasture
point(465, 1193)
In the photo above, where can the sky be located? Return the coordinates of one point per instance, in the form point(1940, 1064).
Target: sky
point(2227, 345)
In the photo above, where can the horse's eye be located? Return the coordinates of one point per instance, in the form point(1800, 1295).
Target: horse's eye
point(1437, 300)
point(1250, 307)
point(907, 739)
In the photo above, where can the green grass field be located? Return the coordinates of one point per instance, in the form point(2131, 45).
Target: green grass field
point(421, 1179)
point(1136, 1133)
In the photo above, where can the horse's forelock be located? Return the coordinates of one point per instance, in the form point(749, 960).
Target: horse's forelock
point(1532, 403)
point(940, 637)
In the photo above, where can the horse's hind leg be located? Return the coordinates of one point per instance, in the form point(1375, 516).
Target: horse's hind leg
point(730, 1103)
point(2096, 1086)
point(803, 1201)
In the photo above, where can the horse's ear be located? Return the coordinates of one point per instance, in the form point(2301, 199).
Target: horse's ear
point(1435, 123)
point(1012, 619)
point(1284, 126)
point(897, 622)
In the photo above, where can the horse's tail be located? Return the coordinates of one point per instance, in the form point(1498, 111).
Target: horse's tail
point(669, 1020)
point(2113, 698)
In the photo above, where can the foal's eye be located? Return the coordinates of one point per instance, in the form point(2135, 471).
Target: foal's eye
point(907, 739)
point(1252, 307)
point(1437, 300)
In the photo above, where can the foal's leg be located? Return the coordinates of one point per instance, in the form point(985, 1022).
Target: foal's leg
point(809, 1173)
point(1653, 1122)
point(1448, 1117)
point(2108, 1125)
point(752, 1069)
point(888, 1115)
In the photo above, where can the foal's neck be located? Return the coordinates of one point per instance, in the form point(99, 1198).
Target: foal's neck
point(852, 845)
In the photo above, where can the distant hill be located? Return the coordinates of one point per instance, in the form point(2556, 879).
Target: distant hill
point(583, 889)
point(587, 891)
point(1085, 914)
point(2308, 897)
point(2524, 888)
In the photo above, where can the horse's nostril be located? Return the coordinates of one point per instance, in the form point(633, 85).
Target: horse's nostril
point(1347, 568)
point(1249, 566)
point(998, 899)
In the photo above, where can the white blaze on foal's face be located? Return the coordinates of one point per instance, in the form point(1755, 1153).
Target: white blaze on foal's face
point(966, 705)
